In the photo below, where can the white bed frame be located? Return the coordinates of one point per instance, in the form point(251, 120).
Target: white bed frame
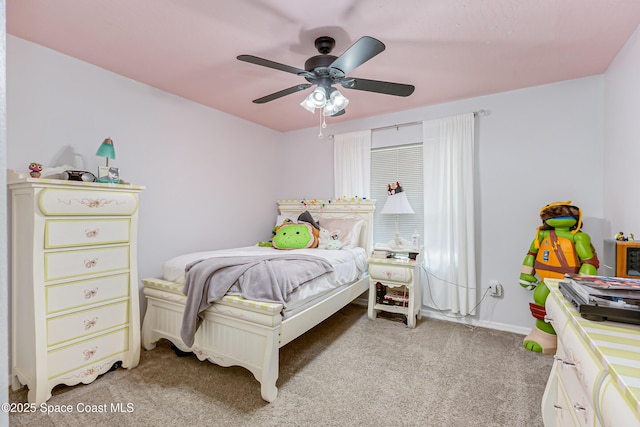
point(239, 332)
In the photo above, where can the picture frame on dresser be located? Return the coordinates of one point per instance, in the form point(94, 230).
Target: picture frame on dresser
point(74, 296)
point(108, 174)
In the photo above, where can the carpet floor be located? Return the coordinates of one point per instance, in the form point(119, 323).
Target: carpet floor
point(347, 371)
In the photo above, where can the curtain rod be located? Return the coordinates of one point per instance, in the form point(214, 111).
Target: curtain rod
point(475, 113)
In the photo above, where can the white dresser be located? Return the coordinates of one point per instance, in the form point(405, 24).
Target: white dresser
point(74, 291)
point(595, 378)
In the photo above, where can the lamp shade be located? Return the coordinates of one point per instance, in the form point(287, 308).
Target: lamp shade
point(106, 150)
point(397, 204)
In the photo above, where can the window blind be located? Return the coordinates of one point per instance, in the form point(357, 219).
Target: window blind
point(403, 164)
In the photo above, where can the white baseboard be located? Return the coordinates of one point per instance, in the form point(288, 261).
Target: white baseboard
point(470, 321)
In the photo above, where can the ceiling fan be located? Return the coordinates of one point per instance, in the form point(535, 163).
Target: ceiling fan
point(326, 70)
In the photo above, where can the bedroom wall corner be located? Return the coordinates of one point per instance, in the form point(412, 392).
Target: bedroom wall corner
point(621, 148)
point(208, 175)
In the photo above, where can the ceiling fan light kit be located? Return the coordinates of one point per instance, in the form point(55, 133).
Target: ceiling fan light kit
point(332, 104)
point(316, 99)
point(337, 102)
point(326, 70)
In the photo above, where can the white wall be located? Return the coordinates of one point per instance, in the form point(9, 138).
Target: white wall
point(622, 140)
point(207, 174)
point(536, 146)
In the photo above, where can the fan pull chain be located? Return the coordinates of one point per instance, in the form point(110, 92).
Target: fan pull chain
point(321, 126)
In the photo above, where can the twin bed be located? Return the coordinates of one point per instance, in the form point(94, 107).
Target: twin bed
point(235, 331)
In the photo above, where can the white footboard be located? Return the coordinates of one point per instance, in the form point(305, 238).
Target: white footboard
point(234, 332)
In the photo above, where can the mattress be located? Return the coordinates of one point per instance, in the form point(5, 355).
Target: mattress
point(349, 265)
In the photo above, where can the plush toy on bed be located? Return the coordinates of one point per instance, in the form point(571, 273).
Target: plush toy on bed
point(303, 234)
point(329, 240)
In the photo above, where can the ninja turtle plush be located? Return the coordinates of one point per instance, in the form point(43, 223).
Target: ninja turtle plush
point(559, 247)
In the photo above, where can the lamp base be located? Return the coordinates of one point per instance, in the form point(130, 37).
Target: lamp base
point(399, 243)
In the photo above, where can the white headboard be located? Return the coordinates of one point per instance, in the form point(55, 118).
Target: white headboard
point(341, 208)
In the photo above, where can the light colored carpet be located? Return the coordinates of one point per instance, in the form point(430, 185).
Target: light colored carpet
point(348, 371)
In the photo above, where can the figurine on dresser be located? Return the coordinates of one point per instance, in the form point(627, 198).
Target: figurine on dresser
point(35, 170)
point(559, 247)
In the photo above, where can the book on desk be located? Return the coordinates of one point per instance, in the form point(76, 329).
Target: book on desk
point(603, 298)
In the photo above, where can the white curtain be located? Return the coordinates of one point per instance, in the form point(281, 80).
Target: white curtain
point(449, 241)
point(352, 164)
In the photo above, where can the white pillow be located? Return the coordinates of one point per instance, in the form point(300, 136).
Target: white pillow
point(348, 229)
point(281, 219)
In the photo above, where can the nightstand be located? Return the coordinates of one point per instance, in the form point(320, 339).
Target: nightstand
point(395, 286)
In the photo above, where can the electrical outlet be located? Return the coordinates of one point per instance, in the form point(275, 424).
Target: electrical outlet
point(495, 288)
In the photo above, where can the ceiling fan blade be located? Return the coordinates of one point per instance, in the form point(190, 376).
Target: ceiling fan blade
point(280, 94)
point(359, 53)
point(276, 65)
point(339, 113)
point(389, 88)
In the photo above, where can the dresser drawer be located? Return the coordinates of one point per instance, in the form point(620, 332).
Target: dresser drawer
point(86, 322)
point(58, 201)
point(85, 292)
point(85, 232)
point(391, 273)
point(581, 373)
point(87, 353)
point(578, 399)
point(564, 410)
point(68, 264)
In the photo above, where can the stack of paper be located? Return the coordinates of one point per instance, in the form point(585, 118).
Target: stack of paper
point(615, 292)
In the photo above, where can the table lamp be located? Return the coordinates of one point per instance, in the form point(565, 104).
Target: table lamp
point(396, 204)
point(106, 150)
point(106, 173)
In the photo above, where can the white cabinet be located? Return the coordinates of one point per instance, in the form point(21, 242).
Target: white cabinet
point(395, 286)
point(595, 378)
point(74, 278)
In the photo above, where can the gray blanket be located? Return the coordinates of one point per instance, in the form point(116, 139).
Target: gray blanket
point(270, 278)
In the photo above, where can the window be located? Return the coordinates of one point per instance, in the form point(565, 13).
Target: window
point(403, 164)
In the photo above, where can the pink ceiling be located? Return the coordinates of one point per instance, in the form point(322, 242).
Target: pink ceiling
point(448, 49)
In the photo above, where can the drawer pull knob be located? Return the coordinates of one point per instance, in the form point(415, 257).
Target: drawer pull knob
point(92, 233)
point(557, 406)
point(579, 407)
point(90, 263)
point(88, 324)
point(564, 362)
point(90, 293)
point(88, 354)
point(548, 319)
point(95, 203)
